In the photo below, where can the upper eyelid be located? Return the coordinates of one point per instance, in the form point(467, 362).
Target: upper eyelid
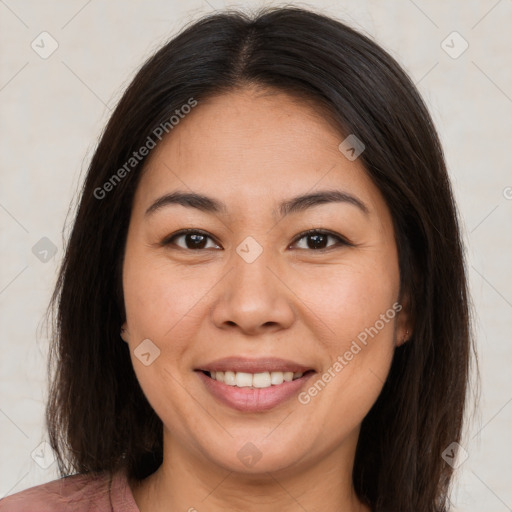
point(323, 232)
point(186, 232)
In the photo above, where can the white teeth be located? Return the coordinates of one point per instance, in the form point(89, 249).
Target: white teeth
point(229, 378)
point(261, 380)
point(256, 380)
point(276, 378)
point(243, 379)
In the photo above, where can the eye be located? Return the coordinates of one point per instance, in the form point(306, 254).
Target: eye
point(316, 239)
point(193, 239)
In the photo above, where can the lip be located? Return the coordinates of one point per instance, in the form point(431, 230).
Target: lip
point(244, 364)
point(253, 399)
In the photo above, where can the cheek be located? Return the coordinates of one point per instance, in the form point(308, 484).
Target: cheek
point(357, 304)
point(161, 301)
point(164, 306)
point(348, 299)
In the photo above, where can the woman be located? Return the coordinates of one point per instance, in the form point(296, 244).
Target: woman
point(268, 225)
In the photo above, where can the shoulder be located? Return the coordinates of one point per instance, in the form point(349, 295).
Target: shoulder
point(77, 493)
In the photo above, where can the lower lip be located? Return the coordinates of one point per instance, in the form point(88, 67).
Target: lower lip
point(253, 399)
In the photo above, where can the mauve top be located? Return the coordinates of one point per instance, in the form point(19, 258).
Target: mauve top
point(76, 493)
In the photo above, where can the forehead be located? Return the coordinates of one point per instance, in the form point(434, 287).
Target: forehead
point(253, 146)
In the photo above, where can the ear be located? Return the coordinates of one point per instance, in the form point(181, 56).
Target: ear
point(124, 332)
point(404, 324)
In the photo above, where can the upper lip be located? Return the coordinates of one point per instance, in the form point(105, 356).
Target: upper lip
point(243, 364)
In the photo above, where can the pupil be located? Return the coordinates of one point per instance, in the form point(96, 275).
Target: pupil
point(318, 244)
point(197, 238)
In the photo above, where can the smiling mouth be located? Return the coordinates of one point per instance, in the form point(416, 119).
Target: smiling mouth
point(255, 380)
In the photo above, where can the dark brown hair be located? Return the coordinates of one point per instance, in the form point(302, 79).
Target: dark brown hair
point(97, 415)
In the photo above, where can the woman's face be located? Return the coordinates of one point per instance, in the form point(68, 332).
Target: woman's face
point(247, 286)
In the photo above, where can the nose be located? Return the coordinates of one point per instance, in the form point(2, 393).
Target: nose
point(253, 298)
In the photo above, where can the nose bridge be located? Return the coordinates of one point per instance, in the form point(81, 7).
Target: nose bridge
point(251, 274)
point(252, 296)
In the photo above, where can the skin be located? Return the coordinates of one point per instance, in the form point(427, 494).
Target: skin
point(294, 301)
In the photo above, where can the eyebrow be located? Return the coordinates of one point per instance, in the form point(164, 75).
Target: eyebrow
point(293, 205)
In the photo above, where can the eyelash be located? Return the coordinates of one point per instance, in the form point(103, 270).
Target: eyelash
point(341, 240)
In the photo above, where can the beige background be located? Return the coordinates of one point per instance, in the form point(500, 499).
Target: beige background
point(53, 109)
